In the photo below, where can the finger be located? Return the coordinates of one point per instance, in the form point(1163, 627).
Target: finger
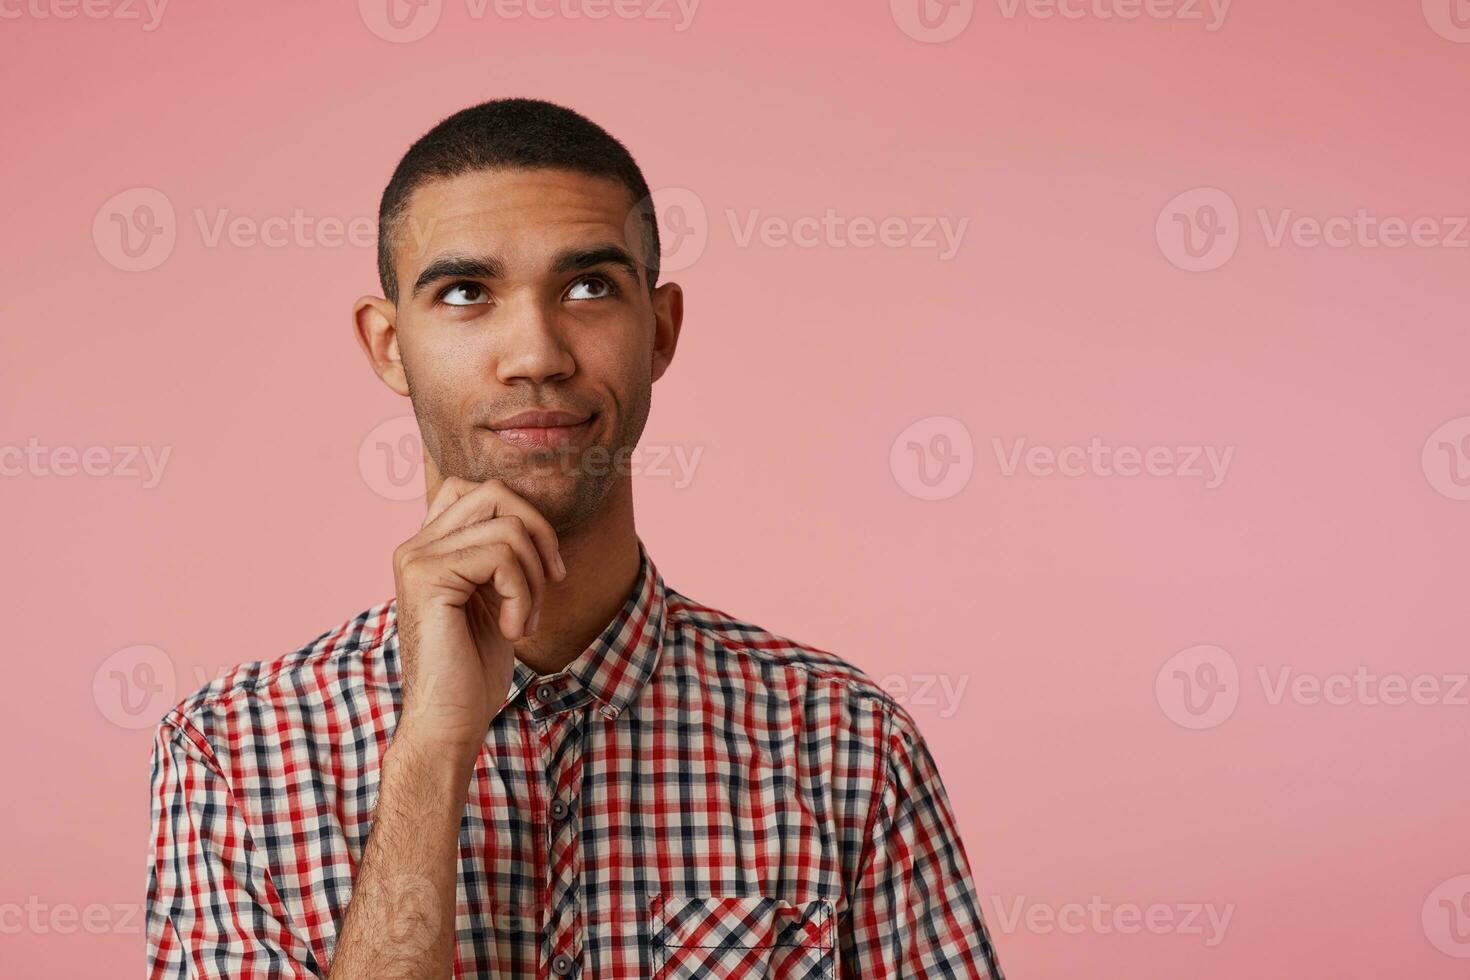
point(452, 489)
point(507, 529)
point(493, 498)
point(493, 570)
point(516, 601)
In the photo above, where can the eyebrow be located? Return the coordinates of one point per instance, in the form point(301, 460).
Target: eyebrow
point(458, 267)
point(489, 267)
point(586, 258)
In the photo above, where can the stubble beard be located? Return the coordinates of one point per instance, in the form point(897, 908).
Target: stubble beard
point(565, 487)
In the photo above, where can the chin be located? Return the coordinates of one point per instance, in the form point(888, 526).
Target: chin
point(557, 496)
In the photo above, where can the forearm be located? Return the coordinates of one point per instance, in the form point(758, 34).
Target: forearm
point(400, 920)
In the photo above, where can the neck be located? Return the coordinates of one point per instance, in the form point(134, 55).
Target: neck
point(601, 556)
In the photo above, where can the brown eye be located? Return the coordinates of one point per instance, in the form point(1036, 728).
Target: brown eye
point(591, 287)
point(464, 294)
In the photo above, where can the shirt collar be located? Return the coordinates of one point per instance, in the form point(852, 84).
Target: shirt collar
point(616, 665)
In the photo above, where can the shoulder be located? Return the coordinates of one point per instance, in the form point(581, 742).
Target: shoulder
point(726, 644)
point(342, 660)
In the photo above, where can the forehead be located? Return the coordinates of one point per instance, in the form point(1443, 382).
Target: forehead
point(512, 214)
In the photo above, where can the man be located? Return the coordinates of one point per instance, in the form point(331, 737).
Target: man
point(538, 760)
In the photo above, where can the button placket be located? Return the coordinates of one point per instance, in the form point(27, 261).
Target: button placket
point(563, 742)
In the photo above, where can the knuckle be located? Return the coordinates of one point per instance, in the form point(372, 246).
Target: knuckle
point(409, 579)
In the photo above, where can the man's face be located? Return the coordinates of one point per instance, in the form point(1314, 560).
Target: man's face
point(522, 290)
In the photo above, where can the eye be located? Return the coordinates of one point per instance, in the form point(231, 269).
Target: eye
point(464, 294)
point(592, 287)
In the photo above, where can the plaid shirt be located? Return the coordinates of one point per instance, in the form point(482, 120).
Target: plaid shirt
point(691, 797)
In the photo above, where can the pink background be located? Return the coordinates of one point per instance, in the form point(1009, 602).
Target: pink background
point(1333, 833)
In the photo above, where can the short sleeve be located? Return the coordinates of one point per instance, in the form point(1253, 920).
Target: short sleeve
point(914, 909)
point(211, 908)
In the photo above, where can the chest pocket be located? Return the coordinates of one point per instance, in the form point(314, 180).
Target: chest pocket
point(741, 938)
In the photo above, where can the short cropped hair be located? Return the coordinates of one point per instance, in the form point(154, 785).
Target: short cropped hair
point(515, 134)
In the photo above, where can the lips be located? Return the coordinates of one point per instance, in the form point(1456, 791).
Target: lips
point(536, 429)
point(540, 419)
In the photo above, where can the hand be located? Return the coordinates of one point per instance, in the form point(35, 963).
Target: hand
point(469, 583)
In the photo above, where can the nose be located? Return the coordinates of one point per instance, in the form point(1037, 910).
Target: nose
point(530, 344)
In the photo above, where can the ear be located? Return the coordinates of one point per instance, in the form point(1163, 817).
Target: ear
point(668, 317)
point(374, 320)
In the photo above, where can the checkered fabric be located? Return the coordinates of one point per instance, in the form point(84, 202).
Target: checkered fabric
point(693, 796)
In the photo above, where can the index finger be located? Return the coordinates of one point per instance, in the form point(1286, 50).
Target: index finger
point(472, 502)
point(452, 489)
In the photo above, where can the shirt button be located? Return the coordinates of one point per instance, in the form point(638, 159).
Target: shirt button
point(544, 693)
point(559, 810)
point(562, 965)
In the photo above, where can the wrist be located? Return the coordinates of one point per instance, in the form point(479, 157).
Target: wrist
point(425, 746)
